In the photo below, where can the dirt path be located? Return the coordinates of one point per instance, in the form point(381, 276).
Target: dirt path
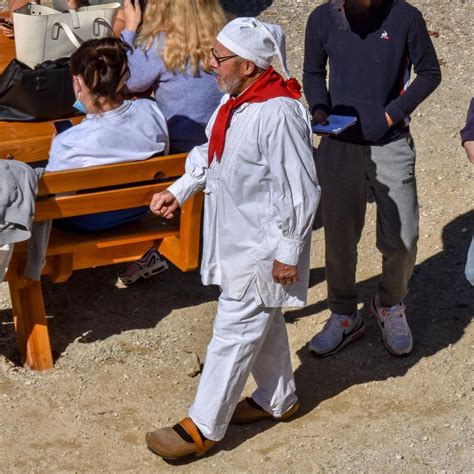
point(124, 357)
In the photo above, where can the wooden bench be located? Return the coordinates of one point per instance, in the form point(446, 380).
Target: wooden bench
point(133, 185)
point(178, 242)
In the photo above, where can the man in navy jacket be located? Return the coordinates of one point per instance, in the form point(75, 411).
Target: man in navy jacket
point(369, 47)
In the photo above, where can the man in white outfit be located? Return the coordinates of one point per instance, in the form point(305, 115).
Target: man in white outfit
point(261, 194)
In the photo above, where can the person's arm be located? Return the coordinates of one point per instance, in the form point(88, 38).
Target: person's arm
point(469, 147)
point(422, 55)
point(15, 4)
point(145, 65)
point(73, 4)
point(467, 133)
point(295, 191)
point(59, 155)
point(7, 27)
point(194, 177)
point(164, 203)
point(193, 180)
point(315, 70)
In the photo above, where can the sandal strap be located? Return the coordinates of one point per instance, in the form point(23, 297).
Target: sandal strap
point(188, 425)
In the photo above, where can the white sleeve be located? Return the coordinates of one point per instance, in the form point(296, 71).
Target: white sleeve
point(194, 177)
point(286, 142)
point(59, 155)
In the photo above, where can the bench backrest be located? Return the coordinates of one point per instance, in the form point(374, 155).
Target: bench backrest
point(105, 188)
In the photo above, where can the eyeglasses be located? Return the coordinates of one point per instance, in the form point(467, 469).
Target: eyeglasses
point(221, 59)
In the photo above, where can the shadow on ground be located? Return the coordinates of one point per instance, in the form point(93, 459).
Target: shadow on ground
point(440, 306)
point(90, 307)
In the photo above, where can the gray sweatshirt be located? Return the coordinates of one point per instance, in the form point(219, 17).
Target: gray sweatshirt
point(18, 189)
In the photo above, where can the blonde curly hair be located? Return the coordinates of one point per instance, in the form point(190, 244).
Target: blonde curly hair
point(190, 28)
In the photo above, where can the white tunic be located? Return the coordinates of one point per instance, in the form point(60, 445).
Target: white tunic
point(260, 201)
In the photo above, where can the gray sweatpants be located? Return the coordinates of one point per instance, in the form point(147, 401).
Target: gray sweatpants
point(344, 169)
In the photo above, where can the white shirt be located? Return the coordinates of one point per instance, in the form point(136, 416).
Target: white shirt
point(134, 131)
point(260, 201)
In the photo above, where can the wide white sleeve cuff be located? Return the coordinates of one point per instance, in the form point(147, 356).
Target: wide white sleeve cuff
point(184, 187)
point(289, 250)
point(194, 177)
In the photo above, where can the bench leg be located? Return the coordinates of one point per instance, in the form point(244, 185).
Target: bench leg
point(184, 251)
point(31, 327)
point(190, 230)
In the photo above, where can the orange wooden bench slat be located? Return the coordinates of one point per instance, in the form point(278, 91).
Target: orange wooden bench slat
point(27, 141)
point(101, 201)
point(148, 228)
point(109, 256)
point(114, 175)
point(61, 266)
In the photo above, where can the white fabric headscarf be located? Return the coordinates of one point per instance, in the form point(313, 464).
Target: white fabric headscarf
point(255, 41)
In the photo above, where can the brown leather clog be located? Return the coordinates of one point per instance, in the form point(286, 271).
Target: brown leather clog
point(171, 443)
point(247, 411)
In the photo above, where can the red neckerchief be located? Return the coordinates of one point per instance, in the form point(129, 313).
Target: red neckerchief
point(268, 86)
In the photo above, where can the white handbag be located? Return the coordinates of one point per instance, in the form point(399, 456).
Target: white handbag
point(42, 33)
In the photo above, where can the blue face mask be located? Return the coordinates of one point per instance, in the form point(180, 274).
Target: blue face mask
point(78, 105)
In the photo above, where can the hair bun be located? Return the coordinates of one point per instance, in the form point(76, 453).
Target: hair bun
point(104, 66)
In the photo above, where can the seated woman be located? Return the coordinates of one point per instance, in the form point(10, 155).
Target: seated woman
point(171, 56)
point(114, 130)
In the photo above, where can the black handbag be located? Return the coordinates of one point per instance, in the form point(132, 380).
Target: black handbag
point(42, 93)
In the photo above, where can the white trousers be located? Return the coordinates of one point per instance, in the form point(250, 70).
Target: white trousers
point(5, 255)
point(247, 337)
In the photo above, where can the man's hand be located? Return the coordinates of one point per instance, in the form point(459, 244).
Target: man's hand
point(389, 119)
point(6, 27)
point(283, 273)
point(73, 4)
point(164, 204)
point(133, 15)
point(320, 117)
point(469, 147)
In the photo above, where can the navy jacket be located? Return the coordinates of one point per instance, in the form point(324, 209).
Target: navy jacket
point(369, 67)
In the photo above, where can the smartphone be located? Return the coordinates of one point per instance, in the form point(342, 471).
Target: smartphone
point(62, 125)
point(5, 22)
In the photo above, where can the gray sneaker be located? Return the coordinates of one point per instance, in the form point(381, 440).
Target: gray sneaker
point(339, 330)
point(393, 323)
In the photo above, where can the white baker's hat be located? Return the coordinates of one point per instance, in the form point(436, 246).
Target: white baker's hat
point(255, 41)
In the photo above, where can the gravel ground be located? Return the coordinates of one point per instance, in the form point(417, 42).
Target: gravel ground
point(127, 359)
